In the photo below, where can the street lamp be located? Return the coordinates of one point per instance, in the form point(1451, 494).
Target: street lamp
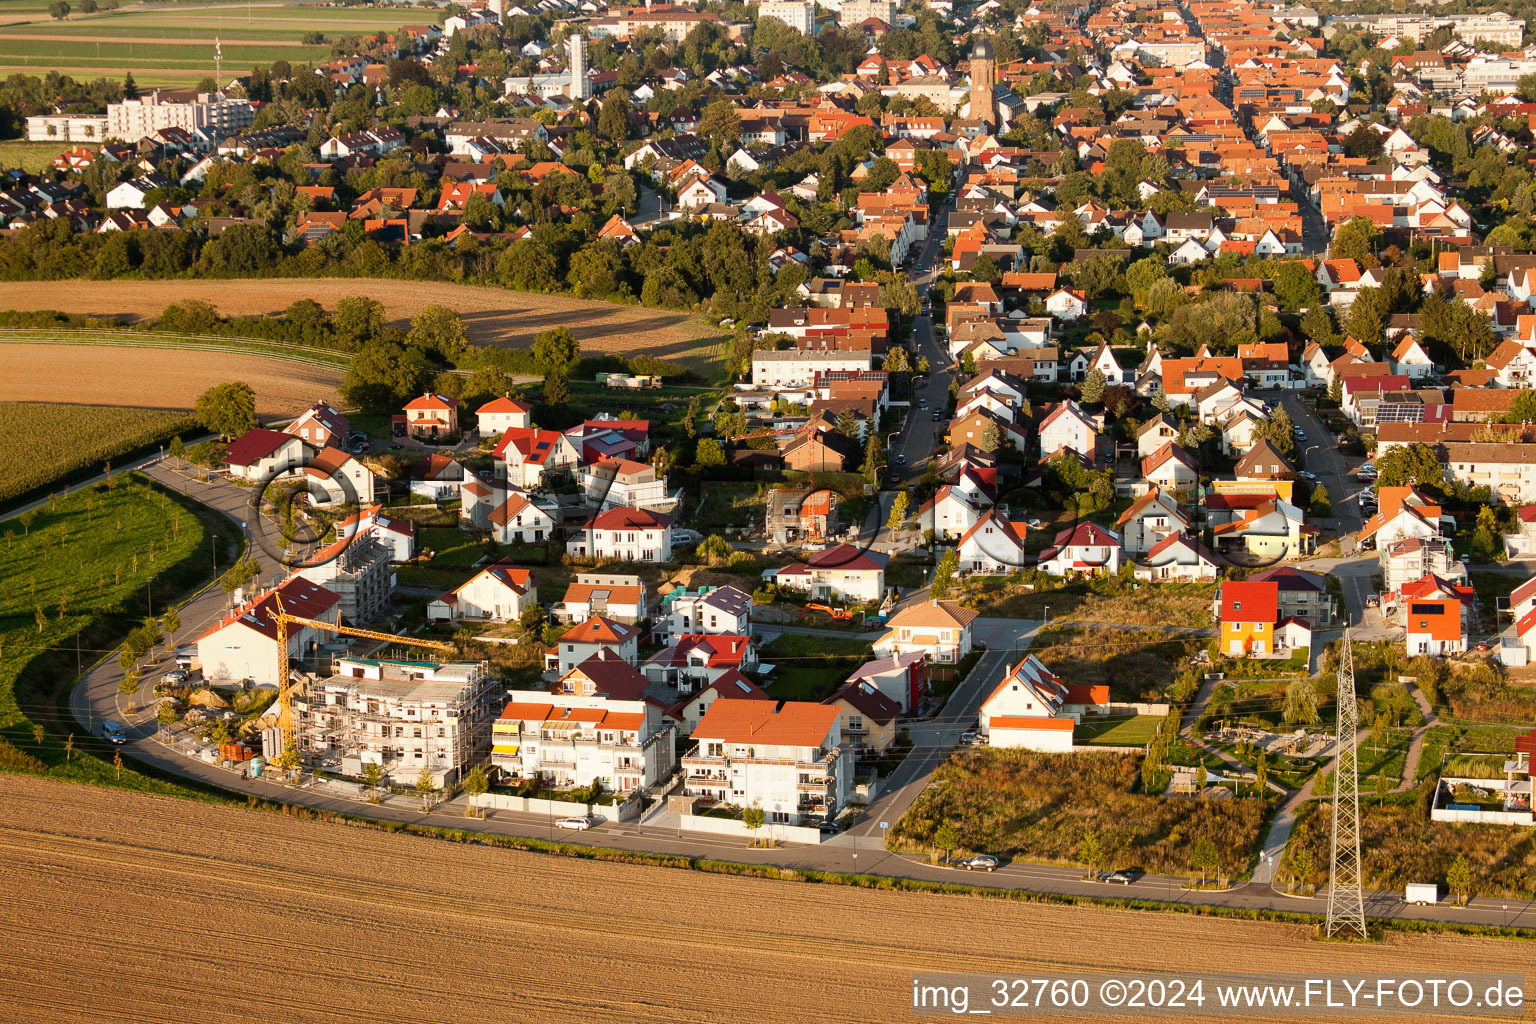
point(1505, 921)
point(1047, 613)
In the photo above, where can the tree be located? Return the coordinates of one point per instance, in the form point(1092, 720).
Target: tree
point(898, 517)
point(1458, 878)
point(991, 437)
point(709, 453)
point(58, 10)
point(1279, 431)
point(1522, 408)
point(383, 376)
point(874, 459)
point(228, 410)
point(897, 361)
point(690, 419)
point(1201, 776)
point(1486, 537)
point(475, 785)
point(1355, 239)
point(946, 838)
point(69, 748)
point(426, 785)
point(130, 87)
point(1092, 387)
point(847, 425)
point(1301, 703)
point(1261, 771)
point(1367, 316)
point(358, 320)
point(613, 120)
point(944, 575)
point(720, 124)
point(1317, 324)
point(1409, 464)
point(556, 351)
point(1301, 863)
point(373, 776)
point(1295, 288)
point(1091, 851)
point(556, 390)
point(166, 716)
point(986, 269)
point(171, 621)
point(440, 330)
point(1095, 275)
point(714, 549)
point(1322, 505)
point(753, 818)
point(1202, 855)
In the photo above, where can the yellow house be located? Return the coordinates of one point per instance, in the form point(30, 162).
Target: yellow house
point(1249, 612)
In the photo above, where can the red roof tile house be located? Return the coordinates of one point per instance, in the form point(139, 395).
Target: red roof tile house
point(743, 747)
point(261, 454)
point(1435, 627)
point(1086, 549)
point(624, 535)
point(502, 414)
point(497, 593)
point(243, 644)
point(842, 573)
point(320, 425)
point(1027, 710)
point(432, 415)
point(694, 660)
point(1248, 613)
point(598, 636)
point(869, 716)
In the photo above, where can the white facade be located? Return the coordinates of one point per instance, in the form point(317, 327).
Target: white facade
point(66, 128)
point(796, 769)
point(214, 114)
point(577, 739)
point(720, 610)
point(799, 16)
point(631, 541)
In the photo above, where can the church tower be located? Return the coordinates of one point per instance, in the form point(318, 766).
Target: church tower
point(580, 88)
point(983, 82)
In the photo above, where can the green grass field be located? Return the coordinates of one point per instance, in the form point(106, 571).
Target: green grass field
point(42, 444)
point(1118, 731)
point(74, 580)
point(169, 45)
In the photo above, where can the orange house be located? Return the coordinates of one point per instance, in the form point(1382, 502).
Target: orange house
point(1248, 615)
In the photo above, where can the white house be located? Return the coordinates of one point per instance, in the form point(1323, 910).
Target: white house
point(518, 520)
point(743, 746)
point(397, 535)
point(260, 454)
point(1027, 710)
point(707, 610)
point(625, 535)
point(1067, 426)
point(619, 483)
point(1170, 468)
point(243, 644)
point(993, 545)
point(530, 456)
point(1085, 549)
point(497, 593)
point(841, 573)
point(1150, 519)
point(618, 596)
point(698, 659)
point(1066, 304)
point(1177, 557)
point(502, 414)
point(951, 512)
point(599, 636)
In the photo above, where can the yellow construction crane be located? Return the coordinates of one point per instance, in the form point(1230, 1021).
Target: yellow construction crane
point(285, 682)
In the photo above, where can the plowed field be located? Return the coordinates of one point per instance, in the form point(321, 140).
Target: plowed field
point(492, 316)
point(121, 906)
point(155, 378)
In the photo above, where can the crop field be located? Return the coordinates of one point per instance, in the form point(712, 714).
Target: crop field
point(139, 902)
point(161, 378)
point(33, 157)
point(171, 45)
point(492, 316)
point(42, 443)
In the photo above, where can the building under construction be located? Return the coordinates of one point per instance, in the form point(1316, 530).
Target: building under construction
point(406, 716)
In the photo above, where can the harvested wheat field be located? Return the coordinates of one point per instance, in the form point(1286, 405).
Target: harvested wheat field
point(156, 378)
point(124, 906)
point(493, 316)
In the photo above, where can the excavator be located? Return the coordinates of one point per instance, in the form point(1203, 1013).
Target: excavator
point(838, 614)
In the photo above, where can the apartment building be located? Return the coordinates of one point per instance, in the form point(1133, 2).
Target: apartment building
point(357, 570)
point(799, 16)
point(594, 725)
point(707, 610)
point(66, 128)
point(408, 717)
point(783, 757)
point(215, 115)
point(621, 483)
point(1508, 470)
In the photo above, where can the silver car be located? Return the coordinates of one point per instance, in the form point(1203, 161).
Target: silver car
point(980, 862)
point(579, 823)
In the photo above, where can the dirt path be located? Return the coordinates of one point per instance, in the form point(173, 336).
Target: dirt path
point(147, 904)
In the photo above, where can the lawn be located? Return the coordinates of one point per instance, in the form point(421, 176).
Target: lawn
point(1135, 664)
point(811, 667)
point(450, 546)
point(1386, 758)
point(43, 444)
point(1039, 807)
point(80, 575)
point(1442, 740)
point(1118, 730)
point(1110, 600)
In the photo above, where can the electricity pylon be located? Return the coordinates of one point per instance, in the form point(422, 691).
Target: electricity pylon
point(1346, 903)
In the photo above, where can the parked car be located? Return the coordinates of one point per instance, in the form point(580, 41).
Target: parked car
point(901, 459)
point(1305, 475)
point(980, 862)
point(1482, 645)
point(937, 416)
point(579, 823)
point(1301, 435)
point(1034, 524)
point(686, 536)
point(1365, 477)
point(113, 732)
point(175, 677)
point(1120, 877)
point(922, 403)
point(828, 828)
